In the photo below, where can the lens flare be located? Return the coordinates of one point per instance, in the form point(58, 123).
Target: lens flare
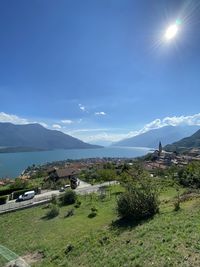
point(171, 32)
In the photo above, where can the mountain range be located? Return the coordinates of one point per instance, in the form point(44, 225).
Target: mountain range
point(185, 144)
point(34, 137)
point(167, 135)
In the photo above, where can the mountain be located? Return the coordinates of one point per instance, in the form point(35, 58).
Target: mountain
point(34, 137)
point(185, 144)
point(166, 135)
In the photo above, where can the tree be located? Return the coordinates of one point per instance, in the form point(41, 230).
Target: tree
point(139, 201)
point(69, 197)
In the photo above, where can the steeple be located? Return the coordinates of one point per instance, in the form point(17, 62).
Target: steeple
point(160, 148)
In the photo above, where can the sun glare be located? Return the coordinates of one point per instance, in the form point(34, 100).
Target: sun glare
point(171, 32)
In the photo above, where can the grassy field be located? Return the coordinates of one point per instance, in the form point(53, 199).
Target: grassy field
point(169, 239)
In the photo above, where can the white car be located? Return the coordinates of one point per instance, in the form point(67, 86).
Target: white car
point(26, 196)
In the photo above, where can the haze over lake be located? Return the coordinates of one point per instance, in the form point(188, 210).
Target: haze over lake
point(12, 164)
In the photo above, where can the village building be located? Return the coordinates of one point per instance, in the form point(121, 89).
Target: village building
point(67, 174)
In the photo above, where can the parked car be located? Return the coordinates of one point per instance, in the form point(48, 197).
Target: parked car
point(62, 189)
point(26, 196)
point(67, 186)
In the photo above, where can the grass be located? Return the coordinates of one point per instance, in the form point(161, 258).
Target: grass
point(169, 239)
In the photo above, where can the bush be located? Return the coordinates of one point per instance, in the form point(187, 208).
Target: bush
point(77, 205)
point(177, 205)
point(7, 191)
point(177, 202)
point(69, 198)
point(93, 212)
point(94, 209)
point(139, 201)
point(53, 212)
point(54, 200)
point(69, 213)
point(3, 199)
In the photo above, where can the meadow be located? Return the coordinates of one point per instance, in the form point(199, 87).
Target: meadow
point(170, 238)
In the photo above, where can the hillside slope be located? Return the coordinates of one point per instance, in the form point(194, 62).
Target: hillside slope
point(31, 137)
point(166, 135)
point(185, 144)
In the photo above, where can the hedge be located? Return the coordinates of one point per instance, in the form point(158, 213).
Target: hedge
point(3, 199)
point(8, 191)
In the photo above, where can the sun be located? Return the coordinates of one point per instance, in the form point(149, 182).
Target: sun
point(171, 32)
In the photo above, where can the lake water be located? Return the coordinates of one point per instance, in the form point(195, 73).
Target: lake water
point(12, 164)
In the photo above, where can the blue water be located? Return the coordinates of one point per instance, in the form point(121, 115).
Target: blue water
point(12, 164)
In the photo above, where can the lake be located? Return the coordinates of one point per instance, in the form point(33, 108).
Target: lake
point(12, 164)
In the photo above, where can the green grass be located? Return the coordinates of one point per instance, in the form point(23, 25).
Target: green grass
point(169, 239)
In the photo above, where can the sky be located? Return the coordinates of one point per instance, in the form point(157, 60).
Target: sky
point(99, 70)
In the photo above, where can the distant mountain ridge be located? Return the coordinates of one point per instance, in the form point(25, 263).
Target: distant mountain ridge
point(166, 135)
point(34, 137)
point(185, 144)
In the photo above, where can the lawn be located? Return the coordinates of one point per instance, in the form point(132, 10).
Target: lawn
point(169, 239)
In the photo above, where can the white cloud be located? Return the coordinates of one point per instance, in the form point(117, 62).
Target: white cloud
point(57, 126)
point(109, 137)
point(4, 117)
point(87, 130)
point(171, 121)
point(43, 124)
point(155, 124)
point(67, 121)
point(100, 113)
point(82, 107)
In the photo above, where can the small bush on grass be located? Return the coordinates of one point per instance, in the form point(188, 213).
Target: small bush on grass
point(77, 205)
point(177, 205)
point(93, 212)
point(69, 248)
point(54, 200)
point(94, 209)
point(139, 201)
point(177, 201)
point(69, 213)
point(69, 198)
point(53, 212)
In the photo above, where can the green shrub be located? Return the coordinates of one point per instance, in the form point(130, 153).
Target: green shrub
point(93, 212)
point(8, 191)
point(69, 213)
point(52, 212)
point(77, 205)
point(139, 201)
point(3, 199)
point(177, 201)
point(54, 200)
point(177, 205)
point(69, 198)
point(94, 209)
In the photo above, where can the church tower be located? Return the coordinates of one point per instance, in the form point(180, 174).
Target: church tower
point(160, 148)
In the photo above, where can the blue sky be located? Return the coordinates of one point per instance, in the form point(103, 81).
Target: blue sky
point(99, 70)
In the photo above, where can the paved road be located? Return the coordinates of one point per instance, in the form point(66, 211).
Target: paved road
point(83, 188)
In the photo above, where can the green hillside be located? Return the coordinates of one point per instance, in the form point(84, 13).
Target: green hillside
point(169, 239)
point(185, 144)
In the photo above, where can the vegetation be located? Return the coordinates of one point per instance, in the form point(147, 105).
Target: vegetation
point(52, 212)
point(139, 201)
point(185, 144)
point(3, 199)
point(94, 175)
point(189, 175)
point(69, 197)
point(169, 239)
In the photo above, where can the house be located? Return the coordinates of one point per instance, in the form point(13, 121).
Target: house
point(68, 174)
